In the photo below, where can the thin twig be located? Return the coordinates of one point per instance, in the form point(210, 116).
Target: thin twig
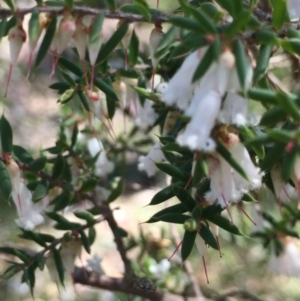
point(159, 17)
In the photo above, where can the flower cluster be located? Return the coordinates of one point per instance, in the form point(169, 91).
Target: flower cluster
point(202, 100)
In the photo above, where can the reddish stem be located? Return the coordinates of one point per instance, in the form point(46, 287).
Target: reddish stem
point(227, 208)
point(8, 79)
point(204, 264)
point(175, 250)
point(241, 208)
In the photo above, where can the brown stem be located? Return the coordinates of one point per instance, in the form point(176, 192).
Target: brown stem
point(4, 13)
point(125, 285)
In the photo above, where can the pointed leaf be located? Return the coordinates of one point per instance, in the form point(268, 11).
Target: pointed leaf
point(6, 136)
point(59, 265)
point(112, 43)
point(208, 237)
point(5, 182)
point(187, 244)
point(45, 45)
point(225, 224)
point(223, 151)
point(184, 197)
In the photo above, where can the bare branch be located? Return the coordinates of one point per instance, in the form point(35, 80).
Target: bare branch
point(125, 285)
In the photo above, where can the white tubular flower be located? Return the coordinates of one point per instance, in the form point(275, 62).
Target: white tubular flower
point(160, 270)
point(94, 264)
point(146, 115)
point(180, 88)
point(234, 110)
point(283, 191)
point(288, 262)
point(196, 135)
point(241, 155)
point(156, 36)
point(80, 38)
point(66, 30)
point(222, 189)
point(103, 166)
point(147, 163)
point(29, 213)
point(293, 7)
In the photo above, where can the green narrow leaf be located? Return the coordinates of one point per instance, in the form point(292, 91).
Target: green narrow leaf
point(106, 88)
point(10, 3)
point(38, 164)
point(68, 65)
point(250, 135)
point(208, 237)
point(272, 156)
point(112, 43)
point(3, 25)
point(288, 165)
point(165, 43)
point(226, 4)
point(204, 22)
point(263, 95)
point(69, 4)
point(184, 197)
point(22, 154)
point(116, 187)
point(266, 37)
point(62, 200)
point(6, 136)
point(279, 13)
point(188, 241)
point(46, 42)
point(205, 63)
point(291, 45)
point(238, 23)
point(185, 23)
point(288, 103)
point(58, 166)
point(162, 196)
point(178, 208)
point(34, 26)
point(89, 185)
point(264, 55)
point(111, 4)
point(173, 171)
point(133, 49)
point(74, 135)
point(85, 215)
point(94, 36)
point(5, 182)
point(40, 191)
point(223, 151)
point(273, 116)
point(84, 100)
point(59, 265)
point(143, 8)
point(66, 96)
point(92, 235)
point(85, 241)
point(224, 223)
point(175, 218)
point(242, 63)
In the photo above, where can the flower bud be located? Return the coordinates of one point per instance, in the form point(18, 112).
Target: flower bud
point(80, 38)
point(156, 36)
point(190, 225)
point(66, 30)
